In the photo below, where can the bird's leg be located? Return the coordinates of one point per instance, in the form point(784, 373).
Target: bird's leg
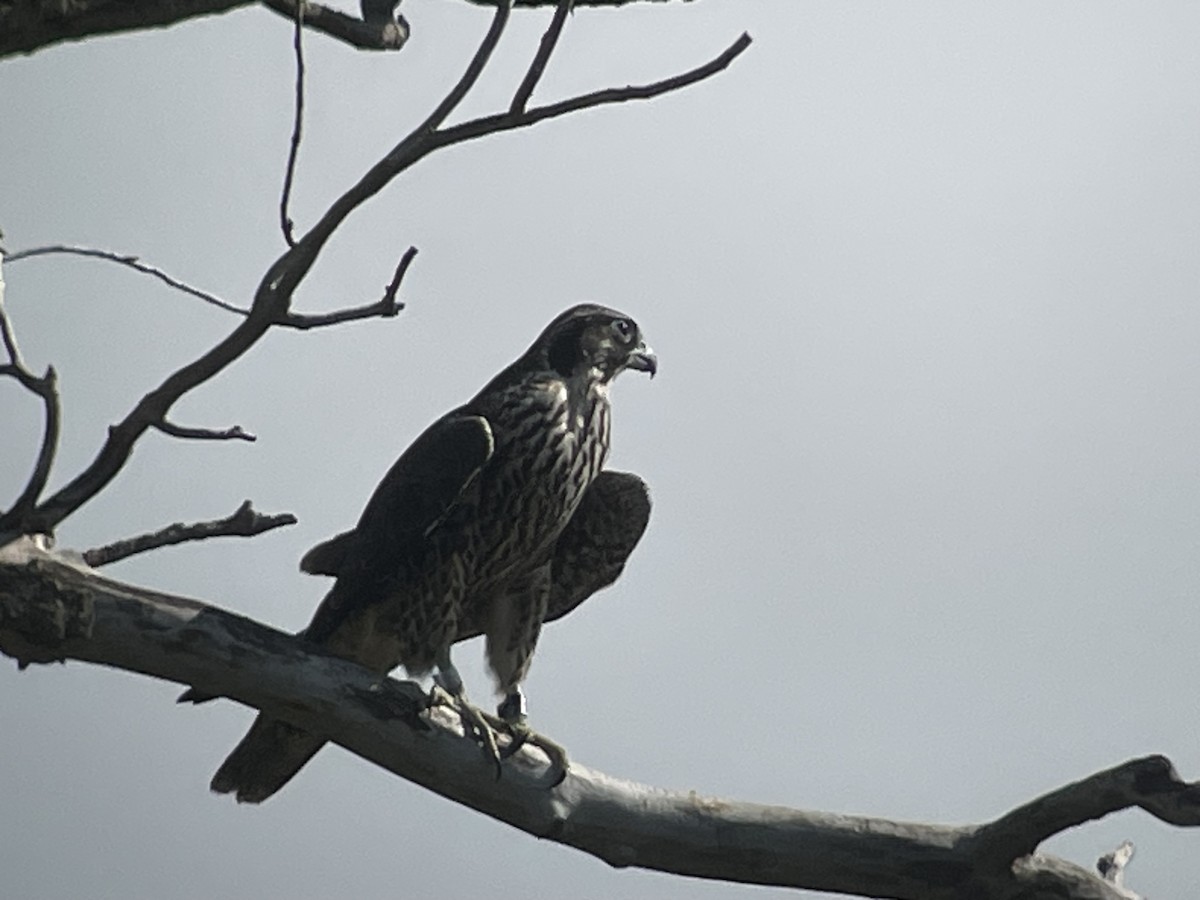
point(512, 712)
point(474, 724)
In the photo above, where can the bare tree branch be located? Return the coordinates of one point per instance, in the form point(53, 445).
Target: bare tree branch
point(293, 266)
point(234, 433)
point(506, 121)
point(132, 262)
point(542, 57)
point(53, 610)
point(474, 69)
point(1152, 781)
point(285, 221)
point(244, 522)
point(385, 307)
point(46, 387)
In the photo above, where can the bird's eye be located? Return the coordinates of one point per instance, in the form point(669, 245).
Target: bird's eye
point(623, 328)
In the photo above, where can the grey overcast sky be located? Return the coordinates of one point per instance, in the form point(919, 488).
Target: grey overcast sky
point(923, 280)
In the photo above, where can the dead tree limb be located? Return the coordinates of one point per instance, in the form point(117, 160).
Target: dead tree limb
point(52, 609)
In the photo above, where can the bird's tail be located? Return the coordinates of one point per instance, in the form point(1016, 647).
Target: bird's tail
point(268, 756)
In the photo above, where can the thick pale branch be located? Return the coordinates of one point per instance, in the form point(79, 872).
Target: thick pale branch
point(1150, 783)
point(292, 267)
point(52, 610)
point(245, 521)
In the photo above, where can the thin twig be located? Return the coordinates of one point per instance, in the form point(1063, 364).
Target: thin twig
point(132, 262)
point(474, 69)
point(15, 521)
point(1150, 783)
point(474, 128)
point(6, 331)
point(234, 433)
point(285, 221)
point(245, 522)
point(386, 307)
point(545, 48)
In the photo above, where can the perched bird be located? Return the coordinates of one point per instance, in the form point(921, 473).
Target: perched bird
point(497, 518)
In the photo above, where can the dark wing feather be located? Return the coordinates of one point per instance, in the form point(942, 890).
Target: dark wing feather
point(328, 557)
point(417, 493)
point(592, 550)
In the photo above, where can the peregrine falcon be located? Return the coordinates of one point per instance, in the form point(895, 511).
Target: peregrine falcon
point(497, 519)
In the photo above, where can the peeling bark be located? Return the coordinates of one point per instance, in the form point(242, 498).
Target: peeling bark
point(55, 608)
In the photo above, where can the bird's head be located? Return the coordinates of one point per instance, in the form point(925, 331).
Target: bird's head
point(589, 337)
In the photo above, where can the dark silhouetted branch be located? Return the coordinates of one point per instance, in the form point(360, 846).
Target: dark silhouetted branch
point(1150, 783)
point(235, 433)
point(285, 221)
point(386, 307)
point(52, 610)
point(245, 522)
point(15, 521)
point(507, 121)
point(542, 57)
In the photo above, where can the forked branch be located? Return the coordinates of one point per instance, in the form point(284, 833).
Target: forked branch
point(52, 610)
point(538, 66)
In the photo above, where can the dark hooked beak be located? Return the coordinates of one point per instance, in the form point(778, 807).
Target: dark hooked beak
point(643, 359)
